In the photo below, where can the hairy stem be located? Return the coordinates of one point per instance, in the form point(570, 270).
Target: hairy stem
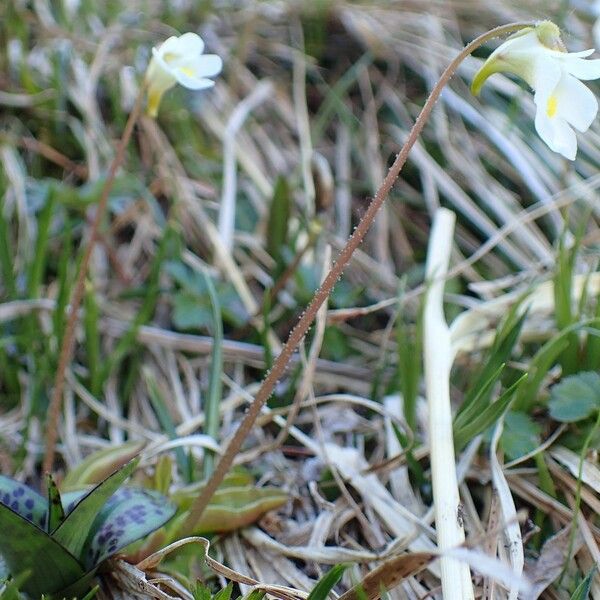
point(68, 340)
point(330, 280)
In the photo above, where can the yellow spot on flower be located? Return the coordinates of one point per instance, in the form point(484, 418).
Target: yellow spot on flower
point(552, 106)
point(187, 71)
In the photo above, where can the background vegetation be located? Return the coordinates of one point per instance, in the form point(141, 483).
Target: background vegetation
point(225, 215)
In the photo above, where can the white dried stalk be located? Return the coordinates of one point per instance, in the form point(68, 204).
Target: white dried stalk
point(438, 356)
point(512, 530)
point(227, 210)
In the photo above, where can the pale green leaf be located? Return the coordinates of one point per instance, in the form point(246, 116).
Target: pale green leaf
point(576, 397)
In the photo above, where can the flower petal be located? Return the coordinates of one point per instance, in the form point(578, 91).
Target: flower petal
point(546, 75)
point(170, 45)
point(575, 103)
point(207, 65)
point(190, 43)
point(582, 69)
point(193, 83)
point(557, 134)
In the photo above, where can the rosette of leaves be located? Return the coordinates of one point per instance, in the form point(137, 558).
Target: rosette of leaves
point(58, 542)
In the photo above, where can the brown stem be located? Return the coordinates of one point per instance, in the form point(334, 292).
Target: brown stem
point(330, 280)
point(68, 341)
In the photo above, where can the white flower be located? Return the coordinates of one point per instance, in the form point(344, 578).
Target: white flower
point(179, 60)
point(538, 55)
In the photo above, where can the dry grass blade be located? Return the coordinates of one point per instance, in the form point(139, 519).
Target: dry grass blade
point(388, 575)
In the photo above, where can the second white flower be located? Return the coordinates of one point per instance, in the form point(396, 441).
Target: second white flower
point(537, 54)
point(179, 60)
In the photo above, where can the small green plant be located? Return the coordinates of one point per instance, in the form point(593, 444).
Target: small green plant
point(202, 592)
point(61, 541)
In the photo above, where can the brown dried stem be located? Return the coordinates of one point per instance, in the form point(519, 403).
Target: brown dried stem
point(330, 280)
point(68, 340)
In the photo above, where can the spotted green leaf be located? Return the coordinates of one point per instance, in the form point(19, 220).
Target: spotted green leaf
point(73, 532)
point(26, 547)
point(23, 500)
point(129, 515)
point(70, 499)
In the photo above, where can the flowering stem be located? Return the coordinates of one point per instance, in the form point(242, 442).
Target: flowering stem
point(68, 340)
point(321, 295)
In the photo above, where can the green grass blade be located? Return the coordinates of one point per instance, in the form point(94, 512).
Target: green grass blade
point(582, 592)
point(7, 274)
point(92, 337)
point(213, 399)
point(410, 367)
point(225, 593)
point(278, 223)
point(487, 417)
point(543, 360)
point(478, 403)
point(499, 354)
point(592, 349)
point(64, 282)
point(37, 267)
point(327, 582)
point(564, 314)
point(151, 294)
point(166, 422)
